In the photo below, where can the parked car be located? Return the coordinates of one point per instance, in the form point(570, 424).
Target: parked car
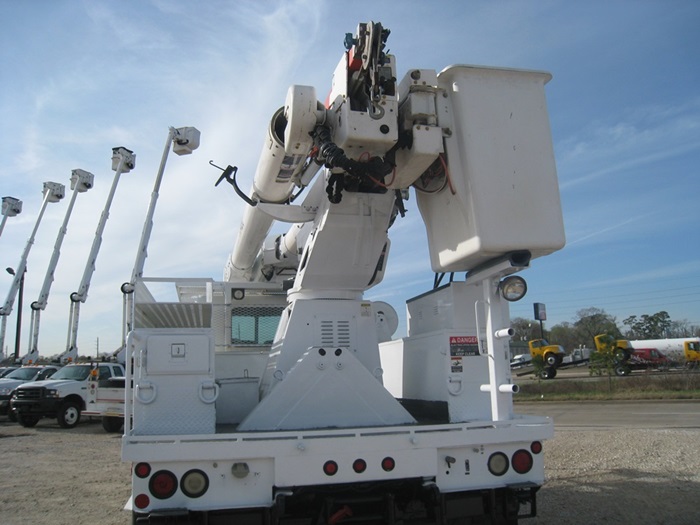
point(520, 360)
point(18, 377)
point(6, 370)
point(63, 396)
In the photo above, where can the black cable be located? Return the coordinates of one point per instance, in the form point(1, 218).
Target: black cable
point(229, 175)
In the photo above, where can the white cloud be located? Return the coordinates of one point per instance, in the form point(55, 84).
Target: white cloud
point(642, 136)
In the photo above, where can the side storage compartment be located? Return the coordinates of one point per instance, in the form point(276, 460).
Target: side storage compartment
point(174, 389)
point(237, 397)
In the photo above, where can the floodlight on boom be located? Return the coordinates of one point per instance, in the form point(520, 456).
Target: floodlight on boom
point(513, 288)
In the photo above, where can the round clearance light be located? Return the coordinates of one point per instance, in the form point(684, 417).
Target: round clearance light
point(536, 447)
point(142, 470)
point(163, 484)
point(498, 463)
point(522, 461)
point(513, 288)
point(359, 466)
point(388, 464)
point(194, 483)
point(330, 468)
point(238, 294)
point(142, 501)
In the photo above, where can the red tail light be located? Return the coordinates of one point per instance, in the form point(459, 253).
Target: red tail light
point(142, 501)
point(359, 466)
point(536, 447)
point(142, 470)
point(330, 468)
point(388, 464)
point(522, 461)
point(163, 484)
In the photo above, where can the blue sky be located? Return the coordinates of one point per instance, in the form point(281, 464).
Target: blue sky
point(78, 78)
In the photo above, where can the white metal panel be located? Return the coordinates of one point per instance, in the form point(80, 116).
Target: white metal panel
point(176, 407)
point(174, 390)
point(326, 389)
point(179, 354)
point(237, 397)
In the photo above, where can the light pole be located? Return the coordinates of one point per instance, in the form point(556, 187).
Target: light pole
point(18, 332)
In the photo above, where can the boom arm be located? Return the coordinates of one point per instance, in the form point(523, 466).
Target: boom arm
point(53, 192)
point(123, 161)
point(184, 141)
point(81, 181)
point(304, 135)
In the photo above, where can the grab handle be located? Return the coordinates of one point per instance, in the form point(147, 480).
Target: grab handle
point(145, 386)
point(208, 385)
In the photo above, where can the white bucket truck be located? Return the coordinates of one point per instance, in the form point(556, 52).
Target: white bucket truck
point(262, 399)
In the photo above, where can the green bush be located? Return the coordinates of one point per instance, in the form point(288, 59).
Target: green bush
point(649, 385)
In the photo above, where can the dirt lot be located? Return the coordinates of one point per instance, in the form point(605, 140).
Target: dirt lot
point(52, 476)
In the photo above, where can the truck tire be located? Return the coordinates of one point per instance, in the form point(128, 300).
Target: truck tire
point(622, 370)
point(112, 424)
point(548, 373)
point(550, 359)
point(27, 421)
point(622, 354)
point(69, 414)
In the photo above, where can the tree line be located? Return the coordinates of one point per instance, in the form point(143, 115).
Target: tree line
point(590, 322)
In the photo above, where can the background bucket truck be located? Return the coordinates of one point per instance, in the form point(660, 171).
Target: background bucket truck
point(81, 181)
point(123, 161)
point(53, 192)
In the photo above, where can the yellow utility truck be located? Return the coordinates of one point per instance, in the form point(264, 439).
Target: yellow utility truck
point(552, 355)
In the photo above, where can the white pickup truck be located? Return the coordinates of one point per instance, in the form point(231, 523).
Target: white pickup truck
point(18, 377)
point(63, 397)
point(105, 399)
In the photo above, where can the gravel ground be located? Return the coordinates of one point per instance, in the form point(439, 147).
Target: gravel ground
point(621, 476)
point(52, 476)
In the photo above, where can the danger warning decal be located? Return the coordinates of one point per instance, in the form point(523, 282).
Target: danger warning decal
point(463, 346)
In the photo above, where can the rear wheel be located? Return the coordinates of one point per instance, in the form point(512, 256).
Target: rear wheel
point(548, 373)
point(69, 414)
point(622, 370)
point(112, 424)
point(26, 420)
